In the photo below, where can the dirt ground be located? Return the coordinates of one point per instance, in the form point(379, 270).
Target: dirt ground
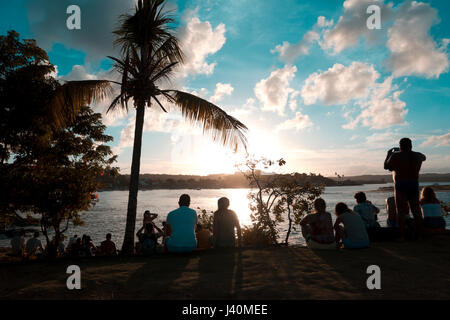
point(409, 270)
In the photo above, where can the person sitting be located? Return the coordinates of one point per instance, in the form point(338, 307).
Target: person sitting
point(108, 247)
point(224, 224)
point(148, 217)
point(368, 213)
point(317, 228)
point(75, 249)
point(180, 224)
point(34, 246)
point(391, 212)
point(353, 232)
point(203, 236)
point(148, 238)
point(72, 240)
point(18, 244)
point(431, 210)
point(87, 247)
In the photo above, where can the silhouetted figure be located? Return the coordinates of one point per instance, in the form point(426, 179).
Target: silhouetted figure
point(18, 244)
point(431, 210)
point(180, 224)
point(405, 165)
point(34, 245)
point(108, 247)
point(368, 213)
point(224, 224)
point(317, 228)
point(148, 238)
point(353, 232)
point(204, 237)
point(391, 211)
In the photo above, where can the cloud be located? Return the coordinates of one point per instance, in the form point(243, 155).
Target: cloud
point(413, 50)
point(222, 89)
point(383, 109)
point(47, 20)
point(437, 141)
point(198, 41)
point(289, 52)
point(352, 25)
point(274, 91)
point(339, 84)
point(299, 122)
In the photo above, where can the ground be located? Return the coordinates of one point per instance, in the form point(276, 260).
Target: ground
point(409, 270)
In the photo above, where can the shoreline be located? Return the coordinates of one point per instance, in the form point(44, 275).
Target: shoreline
point(409, 270)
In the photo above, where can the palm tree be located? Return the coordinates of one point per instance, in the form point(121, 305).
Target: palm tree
point(150, 52)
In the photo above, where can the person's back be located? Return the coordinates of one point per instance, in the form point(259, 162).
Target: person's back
point(405, 166)
point(182, 223)
point(17, 244)
point(224, 234)
point(431, 210)
point(321, 227)
point(354, 227)
point(33, 244)
point(366, 211)
point(108, 247)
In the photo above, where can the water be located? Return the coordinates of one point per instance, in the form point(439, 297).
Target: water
point(109, 213)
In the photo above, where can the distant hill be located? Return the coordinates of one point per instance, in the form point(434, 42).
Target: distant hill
point(237, 180)
point(385, 178)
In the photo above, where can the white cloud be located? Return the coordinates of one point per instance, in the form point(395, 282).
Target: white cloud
point(413, 50)
point(339, 84)
point(299, 122)
point(352, 25)
point(437, 141)
point(289, 52)
point(322, 22)
point(198, 41)
point(222, 89)
point(383, 109)
point(273, 91)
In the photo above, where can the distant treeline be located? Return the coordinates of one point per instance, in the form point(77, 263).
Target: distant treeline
point(214, 181)
point(238, 180)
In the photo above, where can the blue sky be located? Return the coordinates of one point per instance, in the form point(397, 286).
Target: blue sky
point(310, 80)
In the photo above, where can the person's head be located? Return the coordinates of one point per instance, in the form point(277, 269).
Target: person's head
point(22, 233)
point(428, 196)
point(405, 144)
point(75, 236)
point(185, 200)
point(108, 236)
point(341, 208)
point(360, 197)
point(223, 203)
point(199, 227)
point(319, 205)
point(36, 234)
point(78, 241)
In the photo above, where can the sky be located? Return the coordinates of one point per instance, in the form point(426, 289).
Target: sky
point(311, 81)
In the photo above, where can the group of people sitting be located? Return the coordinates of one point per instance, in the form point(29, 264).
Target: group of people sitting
point(356, 229)
point(181, 231)
point(77, 247)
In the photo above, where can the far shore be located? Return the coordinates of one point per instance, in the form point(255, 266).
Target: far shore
point(409, 270)
point(436, 187)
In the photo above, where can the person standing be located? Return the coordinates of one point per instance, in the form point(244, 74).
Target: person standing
point(405, 165)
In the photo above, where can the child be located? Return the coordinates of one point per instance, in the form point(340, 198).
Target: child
point(353, 233)
point(392, 213)
point(203, 238)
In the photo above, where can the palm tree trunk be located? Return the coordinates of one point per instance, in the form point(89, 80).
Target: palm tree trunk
point(128, 242)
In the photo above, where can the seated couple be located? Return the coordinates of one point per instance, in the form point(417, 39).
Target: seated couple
point(317, 228)
point(181, 224)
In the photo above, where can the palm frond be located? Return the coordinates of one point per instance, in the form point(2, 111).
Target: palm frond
point(71, 96)
point(213, 120)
